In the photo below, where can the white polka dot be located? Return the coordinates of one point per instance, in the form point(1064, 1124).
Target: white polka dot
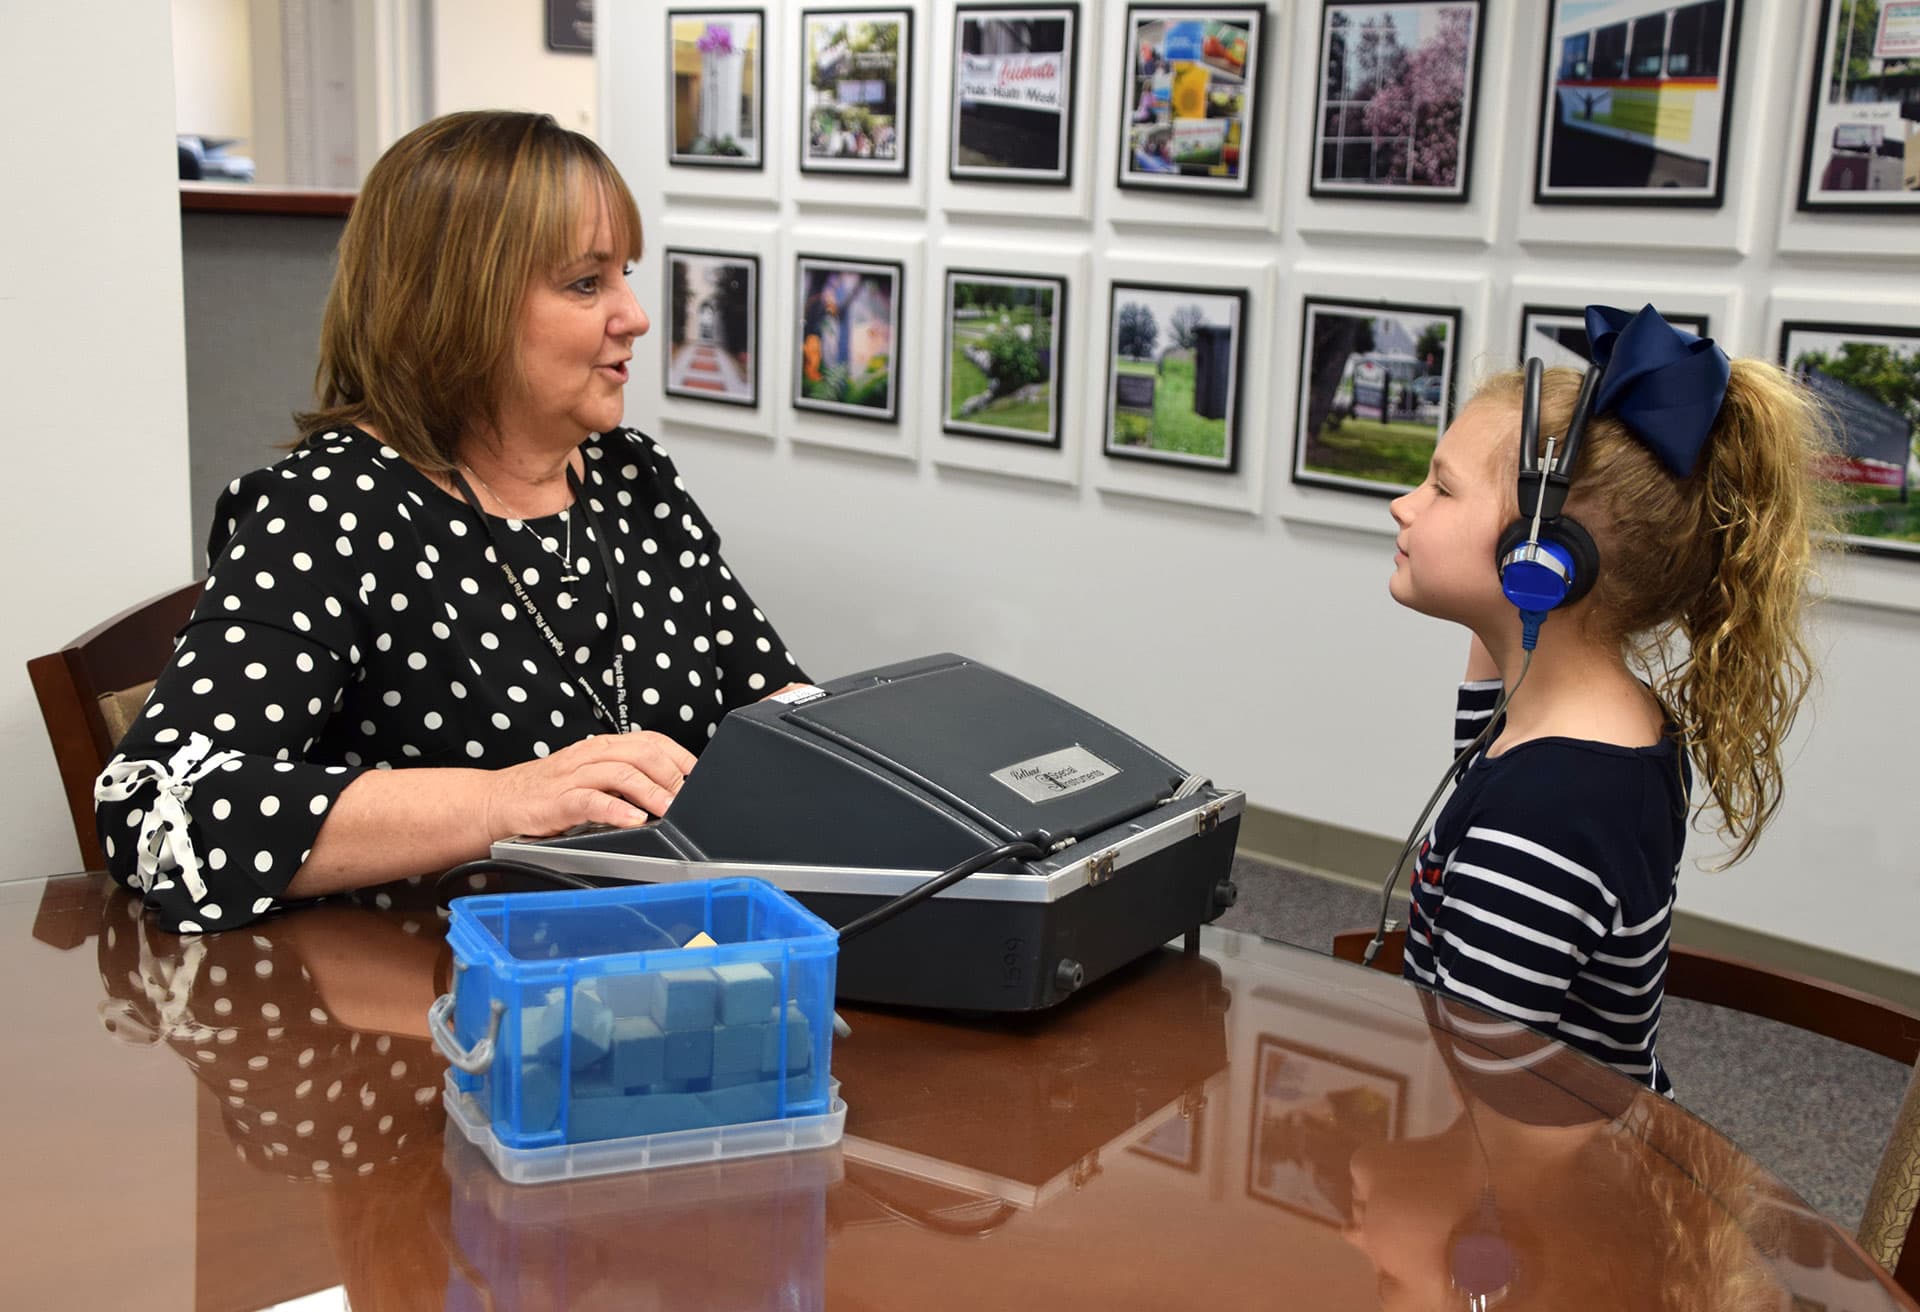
point(301, 622)
point(260, 905)
point(223, 722)
point(316, 503)
point(342, 545)
point(399, 601)
point(349, 521)
point(210, 910)
point(263, 579)
point(663, 660)
point(390, 697)
point(469, 587)
point(189, 927)
point(385, 540)
point(757, 682)
point(203, 686)
point(269, 806)
point(263, 862)
point(317, 805)
point(255, 670)
point(275, 712)
point(475, 750)
point(500, 721)
point(763, 644)
point(364, 482)
point(276, 524)
point(236, 634)
point(416, 661)
point(217, 859)
point(432, 719)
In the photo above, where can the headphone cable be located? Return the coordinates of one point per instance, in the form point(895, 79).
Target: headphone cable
point(1413, 837)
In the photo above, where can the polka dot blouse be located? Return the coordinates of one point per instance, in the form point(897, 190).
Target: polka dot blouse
point(356, 617)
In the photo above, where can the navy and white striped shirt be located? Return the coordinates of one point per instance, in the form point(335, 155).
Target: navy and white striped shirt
point(1544, 892)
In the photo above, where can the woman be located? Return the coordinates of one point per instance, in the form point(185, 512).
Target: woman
point(467, 605)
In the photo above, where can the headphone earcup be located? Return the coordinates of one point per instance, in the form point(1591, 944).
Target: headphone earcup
point(1534, 587)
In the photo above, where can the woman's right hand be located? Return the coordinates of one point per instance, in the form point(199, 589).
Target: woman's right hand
point(621, 779)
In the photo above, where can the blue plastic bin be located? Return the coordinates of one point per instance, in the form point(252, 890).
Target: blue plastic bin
point(576, 1018)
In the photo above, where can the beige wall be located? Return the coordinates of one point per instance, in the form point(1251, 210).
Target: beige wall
point(492, 54)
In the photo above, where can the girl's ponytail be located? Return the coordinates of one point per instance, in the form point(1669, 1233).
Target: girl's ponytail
point(1749, 667)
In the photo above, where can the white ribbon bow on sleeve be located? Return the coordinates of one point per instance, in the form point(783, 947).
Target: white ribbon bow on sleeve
point(164, 845)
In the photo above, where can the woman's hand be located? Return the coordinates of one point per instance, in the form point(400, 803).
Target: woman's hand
point(619, 779)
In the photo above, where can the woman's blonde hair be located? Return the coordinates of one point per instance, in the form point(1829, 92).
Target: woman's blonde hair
point(1718, 563)
point(452, 223)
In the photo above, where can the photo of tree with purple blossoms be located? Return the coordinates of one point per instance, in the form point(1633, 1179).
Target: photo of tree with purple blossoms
point(1395, 111)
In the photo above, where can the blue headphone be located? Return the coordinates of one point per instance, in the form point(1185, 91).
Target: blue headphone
point(1546, 558)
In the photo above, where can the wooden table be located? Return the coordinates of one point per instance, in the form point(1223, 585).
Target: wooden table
point(238, 1120)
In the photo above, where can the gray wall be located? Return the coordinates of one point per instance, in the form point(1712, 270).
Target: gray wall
point(255, 286)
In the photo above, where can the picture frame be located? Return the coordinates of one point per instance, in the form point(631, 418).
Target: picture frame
point(870, 136)
point(716, 88)
point(1396, 124)
point(712, 342)
point(1312, 1110)
point(1179, 406)
point(1179, 1141)
point(1558, 333)
point(847, 336)
point(1004, 344)
point(1861, 156)
point(1611, 127)
point(1376, 392)
point(1015, 82)
point(1867, 379)
point(1178, 59)
point(570, 27)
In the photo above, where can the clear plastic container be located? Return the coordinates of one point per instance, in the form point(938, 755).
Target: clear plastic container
point(577, 1024)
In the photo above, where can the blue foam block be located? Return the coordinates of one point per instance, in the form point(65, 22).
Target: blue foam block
point(799, 1042)
point(737, 1104)
point(689, 1054)
point(685, 999)
point(747, 992)
point(592, 1029)
point(739, 1050)
point(635, 1114)
point(539, 1098)
point(639, 1052)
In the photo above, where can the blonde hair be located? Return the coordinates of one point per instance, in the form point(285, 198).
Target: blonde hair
point(1719, 562)
point(452, 224)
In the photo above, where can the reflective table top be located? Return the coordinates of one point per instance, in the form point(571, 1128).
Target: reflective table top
point(253, 1119)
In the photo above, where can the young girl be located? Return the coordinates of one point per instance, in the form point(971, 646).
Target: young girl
point(1545, 890)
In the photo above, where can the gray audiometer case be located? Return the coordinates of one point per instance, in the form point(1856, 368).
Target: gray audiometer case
point(854, 792)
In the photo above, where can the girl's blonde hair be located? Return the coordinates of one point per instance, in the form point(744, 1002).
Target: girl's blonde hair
point(453, 222)
point(1718, 563)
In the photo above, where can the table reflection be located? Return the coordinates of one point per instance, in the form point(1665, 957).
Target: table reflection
point(1251, 1124)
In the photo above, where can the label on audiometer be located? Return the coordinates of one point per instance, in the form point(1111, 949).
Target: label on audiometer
point(799, 695)
point(1056, 774)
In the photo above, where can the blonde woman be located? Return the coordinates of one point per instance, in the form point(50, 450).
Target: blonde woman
point(468, 604)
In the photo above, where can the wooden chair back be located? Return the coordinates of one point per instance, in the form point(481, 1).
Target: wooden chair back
point(1890, 1228)
point(91, 689)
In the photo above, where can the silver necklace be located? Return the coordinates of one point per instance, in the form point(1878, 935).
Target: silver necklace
point(566, 562)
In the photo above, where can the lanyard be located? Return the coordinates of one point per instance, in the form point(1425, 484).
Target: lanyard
point(616, 718)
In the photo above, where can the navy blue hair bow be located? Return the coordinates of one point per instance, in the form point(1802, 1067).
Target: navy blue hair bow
point(1665, 385)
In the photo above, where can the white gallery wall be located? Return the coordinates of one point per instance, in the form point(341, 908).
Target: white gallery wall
point(1239, 622)
point(492, 54)
point(94, 358)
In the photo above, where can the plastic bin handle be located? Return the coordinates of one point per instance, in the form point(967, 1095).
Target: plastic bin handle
point(474, 1061)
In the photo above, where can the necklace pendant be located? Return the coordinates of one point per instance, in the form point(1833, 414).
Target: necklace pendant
point(569, 578)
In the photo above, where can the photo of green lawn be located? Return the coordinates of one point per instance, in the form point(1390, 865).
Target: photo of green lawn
point(1867, 381)
point(1003, 352)
point(1173, 375)
point(1375, 394)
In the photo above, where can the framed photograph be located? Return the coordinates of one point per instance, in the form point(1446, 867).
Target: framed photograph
point(570, 27)
point(1173, 374)
point(1180, 1139)
point(1376, 391)
point(1558, 333)
point(1863, 121)
point(716, 116)
point(1312, 1110)
point(1013, 89)
point(1638, 102)
point(1867, 377)
point(849, 337)
point(1005, 342)
point(1394, 118)
point(1191, 97)
point(713, 326)
point(855, 90)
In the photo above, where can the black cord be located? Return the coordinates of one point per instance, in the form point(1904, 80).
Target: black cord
point(886, 911)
